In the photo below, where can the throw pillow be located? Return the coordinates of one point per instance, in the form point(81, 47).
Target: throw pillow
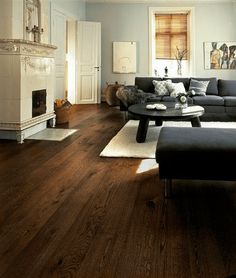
point(129, 95)
point(135, 97)
point(198, 87)
point(175, 89)
point(161, 87)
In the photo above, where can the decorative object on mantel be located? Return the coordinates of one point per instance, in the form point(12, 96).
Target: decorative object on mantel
point(32, 12)
point(36, 32)
point(180, 55)
point(220, 55)
point(110, 93)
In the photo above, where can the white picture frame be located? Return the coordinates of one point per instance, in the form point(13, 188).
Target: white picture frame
point(124, 57)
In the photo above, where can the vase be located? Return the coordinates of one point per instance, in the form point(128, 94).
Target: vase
point(181, 102)
point(179, 68)
point(179, 105)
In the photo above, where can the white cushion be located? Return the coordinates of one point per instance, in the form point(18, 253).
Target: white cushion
point(175, 89)
point(161, 87)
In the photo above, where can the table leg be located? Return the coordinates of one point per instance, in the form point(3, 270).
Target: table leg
point(168, 188)
point(142, 130)
point(196, 122)
point(158, 122)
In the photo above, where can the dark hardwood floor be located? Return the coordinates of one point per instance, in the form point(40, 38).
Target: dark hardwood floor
point(66, 212)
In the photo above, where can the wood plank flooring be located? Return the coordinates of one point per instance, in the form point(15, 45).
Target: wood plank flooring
point(66, 212)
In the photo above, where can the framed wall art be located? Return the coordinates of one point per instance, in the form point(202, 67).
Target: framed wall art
point(220, 55)
point(124, 57)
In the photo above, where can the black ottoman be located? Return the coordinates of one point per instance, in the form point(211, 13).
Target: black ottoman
point(196, 153)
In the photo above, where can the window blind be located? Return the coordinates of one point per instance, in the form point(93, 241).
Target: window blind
point(171, 32)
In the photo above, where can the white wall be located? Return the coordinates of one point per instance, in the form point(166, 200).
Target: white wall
point(129, 22)
point(214, 23)
point(11, 19)
point(121, 22)
point(234, 10)
point(75, 8)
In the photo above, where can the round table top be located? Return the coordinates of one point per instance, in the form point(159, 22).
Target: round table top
point(170, 113)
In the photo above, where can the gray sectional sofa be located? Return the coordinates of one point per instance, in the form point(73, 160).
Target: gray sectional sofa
point(219, 102)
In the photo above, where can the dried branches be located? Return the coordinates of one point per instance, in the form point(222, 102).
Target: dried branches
point(180, 54)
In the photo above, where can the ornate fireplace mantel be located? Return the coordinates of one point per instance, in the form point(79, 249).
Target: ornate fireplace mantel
point(25, 66)
point(24, 47)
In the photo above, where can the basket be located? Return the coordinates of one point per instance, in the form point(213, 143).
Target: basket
point(110, 94)
point(62, 112)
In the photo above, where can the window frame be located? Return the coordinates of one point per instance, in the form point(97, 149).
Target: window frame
point(191, 32)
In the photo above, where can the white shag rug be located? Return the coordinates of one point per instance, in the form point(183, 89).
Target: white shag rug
point(124, 143)
point(52, 134)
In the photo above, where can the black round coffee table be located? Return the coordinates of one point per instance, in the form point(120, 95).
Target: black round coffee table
point(192, 113)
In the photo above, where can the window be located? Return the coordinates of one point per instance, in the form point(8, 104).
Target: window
point(171, 33)
point(171, 29)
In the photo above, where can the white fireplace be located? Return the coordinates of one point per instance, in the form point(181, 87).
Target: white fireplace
point(25, 66)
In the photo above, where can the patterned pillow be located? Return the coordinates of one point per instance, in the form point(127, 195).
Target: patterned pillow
point(175, 88)
point(198, 87)
point(161, 87)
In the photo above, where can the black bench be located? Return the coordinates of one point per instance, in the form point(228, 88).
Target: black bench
point(196, 153)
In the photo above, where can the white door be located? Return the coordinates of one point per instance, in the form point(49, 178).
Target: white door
point(58, 38)
point(89, 62)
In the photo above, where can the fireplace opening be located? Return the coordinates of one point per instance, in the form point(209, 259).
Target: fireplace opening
point(39, 102)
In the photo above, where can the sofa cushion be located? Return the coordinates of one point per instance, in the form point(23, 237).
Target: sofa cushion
point(175, 88)
point(230, 111)
point(185, 81)
point(198, 87)
point(145, 83)
point(230, 101)
point(216, 117)
point(208, 100)
point(154, 98)
point(214, 109)
point(212, 88)
point(160, 87)
point(227, 87)
point(169, 99)
point(190, 100)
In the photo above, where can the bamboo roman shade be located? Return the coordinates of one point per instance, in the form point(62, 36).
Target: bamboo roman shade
point(171, 32)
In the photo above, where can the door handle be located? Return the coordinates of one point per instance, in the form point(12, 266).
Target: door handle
point(97, 68)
